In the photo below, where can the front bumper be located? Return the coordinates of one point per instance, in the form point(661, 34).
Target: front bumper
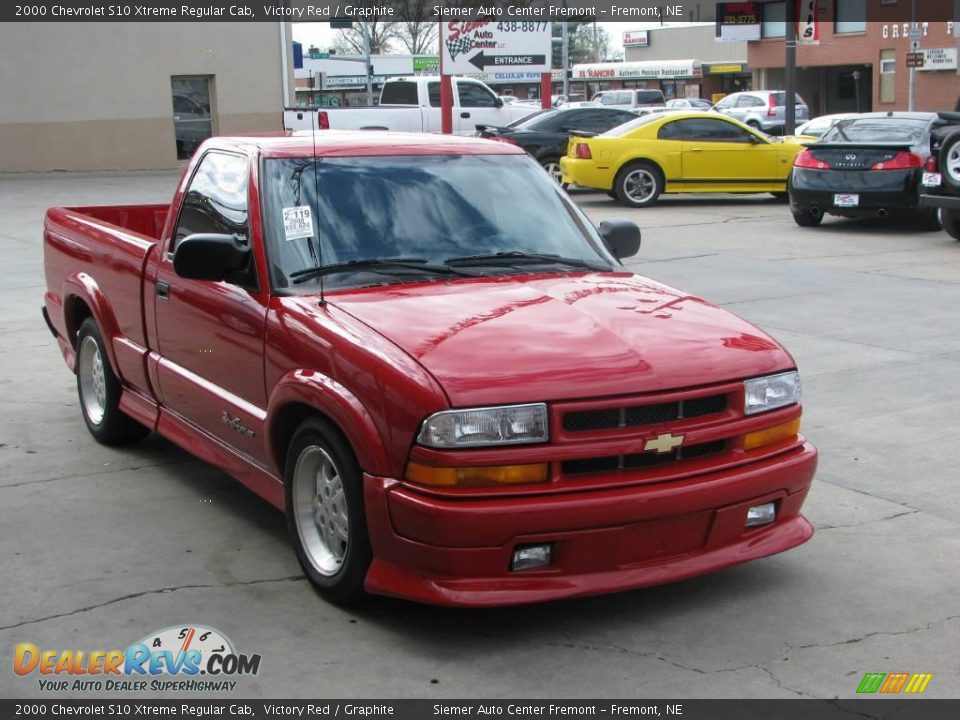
point(457, 552)
point(894, 191)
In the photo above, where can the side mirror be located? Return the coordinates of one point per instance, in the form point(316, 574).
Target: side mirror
point(209, 256)
point(498, 102)
point(621, 236)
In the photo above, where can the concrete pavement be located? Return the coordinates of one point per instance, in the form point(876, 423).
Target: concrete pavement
point(102, 546)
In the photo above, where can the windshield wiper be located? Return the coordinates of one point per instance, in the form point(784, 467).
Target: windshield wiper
point(383, 266)
point(515, 257)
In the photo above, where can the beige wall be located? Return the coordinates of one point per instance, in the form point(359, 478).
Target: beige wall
point(695, 42)
point(92, 96)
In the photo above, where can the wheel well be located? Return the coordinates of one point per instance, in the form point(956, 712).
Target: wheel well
point(641, 161)
point(285, 425)
point(76, 312)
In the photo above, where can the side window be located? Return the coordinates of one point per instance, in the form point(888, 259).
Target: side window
point(727, 102)
point(747, 101)
point(399, 92)
point(710, 130)
point(216, 199)
point(473, 95)
point(672, 130)
point(433, 93)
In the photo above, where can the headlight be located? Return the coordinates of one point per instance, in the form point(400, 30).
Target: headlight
point(771, 392)
point(483, 427)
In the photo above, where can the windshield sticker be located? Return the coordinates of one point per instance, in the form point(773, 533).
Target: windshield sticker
point(297, 222)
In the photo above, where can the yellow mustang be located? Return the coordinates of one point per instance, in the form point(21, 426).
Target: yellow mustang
point(675, 152)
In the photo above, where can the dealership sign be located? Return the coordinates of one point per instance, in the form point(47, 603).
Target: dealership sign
point(808, 29)
point(490, 45)
point(738, 21)
point(939, 59)
point(653, 69)
point(636, 38)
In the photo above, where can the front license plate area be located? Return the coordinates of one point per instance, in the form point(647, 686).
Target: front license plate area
point(846, 200)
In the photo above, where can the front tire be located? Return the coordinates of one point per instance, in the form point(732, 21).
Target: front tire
point(325, 511)
point(99, 391)
point(639, 184)
point(951, 222)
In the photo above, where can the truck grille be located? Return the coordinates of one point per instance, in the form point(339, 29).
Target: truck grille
point(642, 460)
point(639, 415)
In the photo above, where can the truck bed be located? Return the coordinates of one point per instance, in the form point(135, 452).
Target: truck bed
point(145, 220)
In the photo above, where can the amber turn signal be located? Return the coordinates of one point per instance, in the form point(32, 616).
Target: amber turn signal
point(476, 476)
point(771, 435)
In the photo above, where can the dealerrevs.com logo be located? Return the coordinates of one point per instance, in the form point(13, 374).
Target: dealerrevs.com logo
point(181, 658)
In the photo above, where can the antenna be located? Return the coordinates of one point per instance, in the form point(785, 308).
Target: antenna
point(316, 196)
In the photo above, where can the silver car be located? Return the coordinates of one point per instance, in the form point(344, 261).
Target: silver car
point(761, 109)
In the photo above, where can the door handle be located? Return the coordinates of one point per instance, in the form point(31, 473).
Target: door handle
point(696, 149)
point(163, 290)
point(464, 115)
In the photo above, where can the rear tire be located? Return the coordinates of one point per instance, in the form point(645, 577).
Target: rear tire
point(805, 218)
point(951, 222)
point(99, 391)
point(639, 184)
point(325, 511)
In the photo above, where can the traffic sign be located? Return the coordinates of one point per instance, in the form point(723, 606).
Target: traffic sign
point(915, 60)
point(472, 47)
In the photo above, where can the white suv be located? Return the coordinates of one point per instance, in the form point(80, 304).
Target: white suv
point(761, 109)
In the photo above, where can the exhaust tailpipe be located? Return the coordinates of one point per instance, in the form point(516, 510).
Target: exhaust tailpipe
point(816, 211)
point(882, 212)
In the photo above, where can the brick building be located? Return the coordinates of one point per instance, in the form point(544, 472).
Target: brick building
point(858, 64)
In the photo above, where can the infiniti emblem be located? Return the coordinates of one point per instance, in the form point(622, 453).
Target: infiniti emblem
point(850, 156)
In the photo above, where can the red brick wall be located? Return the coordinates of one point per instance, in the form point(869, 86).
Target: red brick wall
point(934, 90)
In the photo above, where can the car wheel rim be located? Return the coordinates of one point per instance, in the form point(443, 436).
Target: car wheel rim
point(553, 170)
point(953, 163)
point(639, 185)
point(320, 510)
point(93, 382)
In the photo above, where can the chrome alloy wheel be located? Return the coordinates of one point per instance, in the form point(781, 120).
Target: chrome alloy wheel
point(320, 510)
point(554, 171)
point(951, 163)
point(93, 382)
point(640, 185)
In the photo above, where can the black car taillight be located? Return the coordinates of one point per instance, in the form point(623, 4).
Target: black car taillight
point(903, 160)
point(805, 159)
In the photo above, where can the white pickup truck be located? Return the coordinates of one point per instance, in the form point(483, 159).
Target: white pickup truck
point(412, 104)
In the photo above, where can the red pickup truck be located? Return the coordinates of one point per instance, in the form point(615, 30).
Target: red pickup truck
point(421, 350)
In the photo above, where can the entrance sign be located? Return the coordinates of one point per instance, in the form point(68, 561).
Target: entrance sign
point(468, 47)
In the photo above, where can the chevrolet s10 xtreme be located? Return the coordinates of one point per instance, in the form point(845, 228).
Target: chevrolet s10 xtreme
point(421, 350)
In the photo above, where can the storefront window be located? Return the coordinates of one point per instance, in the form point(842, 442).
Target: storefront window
point(773, 20)
point(851, 16)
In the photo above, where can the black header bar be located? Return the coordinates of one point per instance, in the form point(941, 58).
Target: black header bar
point(630, 11)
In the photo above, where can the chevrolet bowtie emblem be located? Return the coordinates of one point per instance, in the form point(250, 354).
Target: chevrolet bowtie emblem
point(663, 443)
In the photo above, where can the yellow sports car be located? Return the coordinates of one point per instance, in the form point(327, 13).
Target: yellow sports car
point(691, 151)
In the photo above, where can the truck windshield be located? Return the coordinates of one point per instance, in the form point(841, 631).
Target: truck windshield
point(418, 210)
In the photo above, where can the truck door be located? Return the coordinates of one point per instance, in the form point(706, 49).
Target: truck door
point(210, 334)
point(474, 105)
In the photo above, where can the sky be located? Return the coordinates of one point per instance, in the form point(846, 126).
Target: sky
point(320, 34)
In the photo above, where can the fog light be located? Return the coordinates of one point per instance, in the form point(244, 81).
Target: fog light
point(761, 514)
point(527, 557)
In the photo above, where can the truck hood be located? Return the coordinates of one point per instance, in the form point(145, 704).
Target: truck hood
point(540, 338)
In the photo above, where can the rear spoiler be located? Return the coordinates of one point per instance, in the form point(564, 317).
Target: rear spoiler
point(949, 116)
point(859, 146)
point(581, 133)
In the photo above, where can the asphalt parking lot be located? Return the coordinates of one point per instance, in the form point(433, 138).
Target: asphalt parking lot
point(101, 546)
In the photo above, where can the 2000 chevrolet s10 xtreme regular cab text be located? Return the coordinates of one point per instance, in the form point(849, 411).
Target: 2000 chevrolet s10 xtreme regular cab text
point(422, 351)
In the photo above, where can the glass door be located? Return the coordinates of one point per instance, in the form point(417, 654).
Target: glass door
point(192, 120)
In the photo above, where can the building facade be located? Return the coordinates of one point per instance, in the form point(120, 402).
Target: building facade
point(858, 65)
point(99, 96)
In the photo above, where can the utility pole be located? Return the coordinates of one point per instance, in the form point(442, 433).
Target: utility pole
point(914, 47)
point(366, 57)
point(596, 43)
point(790, 70)
point(565, 57)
